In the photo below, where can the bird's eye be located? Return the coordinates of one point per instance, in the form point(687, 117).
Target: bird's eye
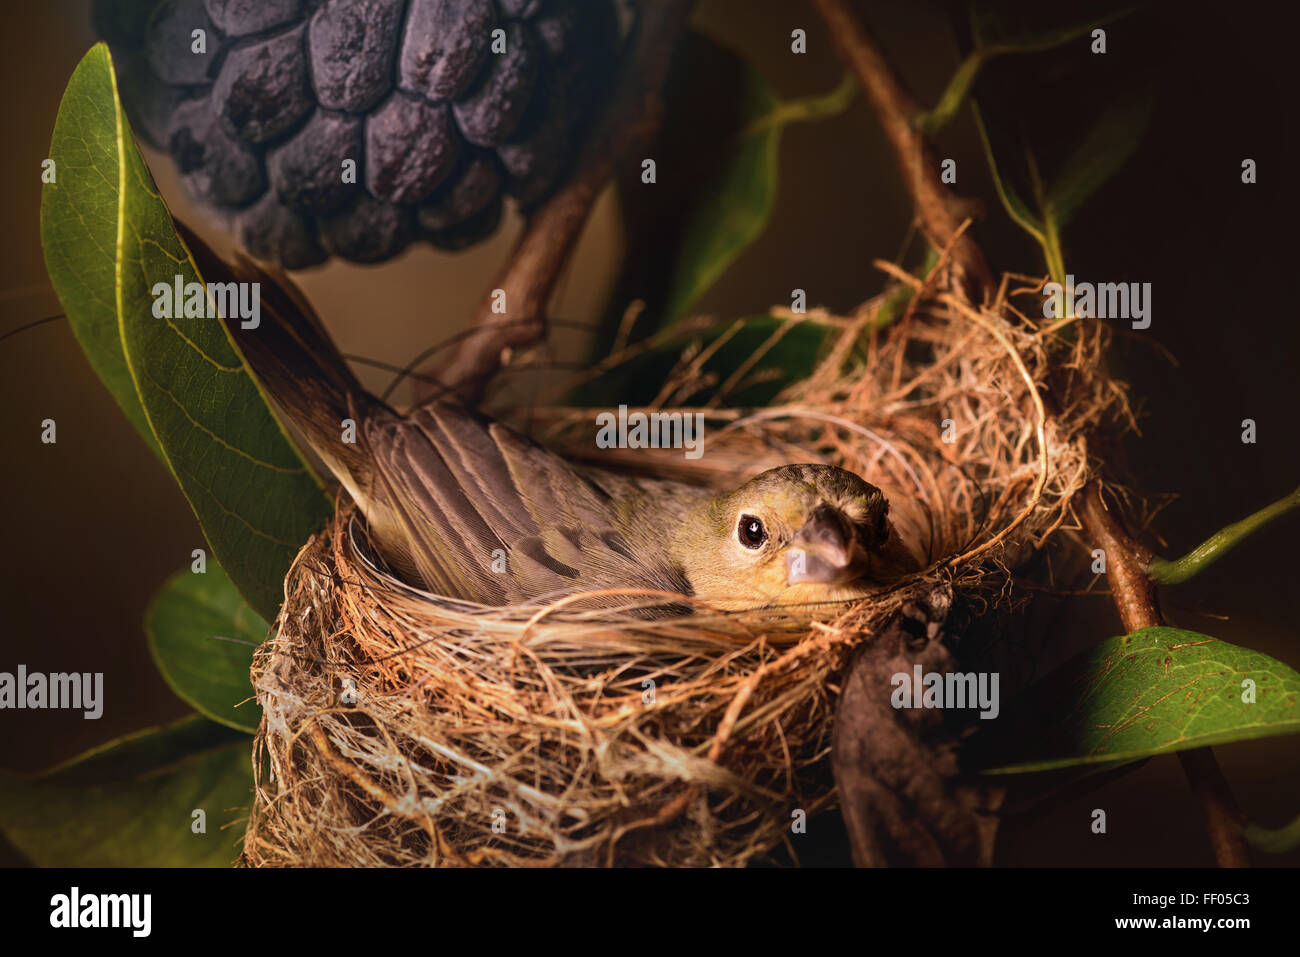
point(751, 532)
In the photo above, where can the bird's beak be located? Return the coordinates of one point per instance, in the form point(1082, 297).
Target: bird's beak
point(822, 552)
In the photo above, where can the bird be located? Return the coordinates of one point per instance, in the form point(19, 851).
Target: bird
point(467, 508)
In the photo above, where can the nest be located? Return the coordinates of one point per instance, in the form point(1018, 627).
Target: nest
point(401, 728)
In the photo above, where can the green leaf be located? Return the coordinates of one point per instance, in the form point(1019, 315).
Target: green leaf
point(739, 202)
point(1025, 34)
point(735, 208)
point(253, 493)
point(1012, 202)
point(792, 348)
point(1155, 691)
point(789, 350)
point(1043, 204)
point(1104, 151)
point(1274, 840)
point(1219, 544)
point(130, 802)
point(202, 635)
point(79, 216)
point(955, 93)
point(994, 40)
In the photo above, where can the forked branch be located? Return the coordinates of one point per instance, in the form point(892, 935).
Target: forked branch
point(939, 210)
point(629, 115)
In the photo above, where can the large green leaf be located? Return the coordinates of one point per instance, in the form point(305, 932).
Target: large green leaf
point(202, 635)
point(766, 355)
point(735, 211)
point(739, 200)
point(79, 219)
point(1155, 691)
point(253, 493)
point(757, 358)
point(131, 802)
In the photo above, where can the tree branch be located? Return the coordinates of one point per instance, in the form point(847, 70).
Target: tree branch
point(1134, 593)
point(939, 209)
point(628, 116)
point(1135, 597)
point(940, 212)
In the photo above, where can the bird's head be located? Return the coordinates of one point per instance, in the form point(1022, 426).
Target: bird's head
point(791, 535)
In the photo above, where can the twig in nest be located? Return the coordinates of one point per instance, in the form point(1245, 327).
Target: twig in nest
point(628, 116)
point(1040, 422)
point(391, 803)
point(1040, 412)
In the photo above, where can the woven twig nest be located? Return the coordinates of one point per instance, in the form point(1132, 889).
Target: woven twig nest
point(404, 729)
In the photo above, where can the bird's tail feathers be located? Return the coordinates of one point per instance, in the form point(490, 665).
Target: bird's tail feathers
point(297, 365)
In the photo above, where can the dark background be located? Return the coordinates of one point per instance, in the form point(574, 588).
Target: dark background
point(92, 525)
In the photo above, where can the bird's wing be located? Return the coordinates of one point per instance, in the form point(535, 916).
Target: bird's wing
point(491, 516)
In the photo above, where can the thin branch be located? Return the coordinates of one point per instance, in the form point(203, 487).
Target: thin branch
point(1135, 593)
point(628, 116)
point(941, 211)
